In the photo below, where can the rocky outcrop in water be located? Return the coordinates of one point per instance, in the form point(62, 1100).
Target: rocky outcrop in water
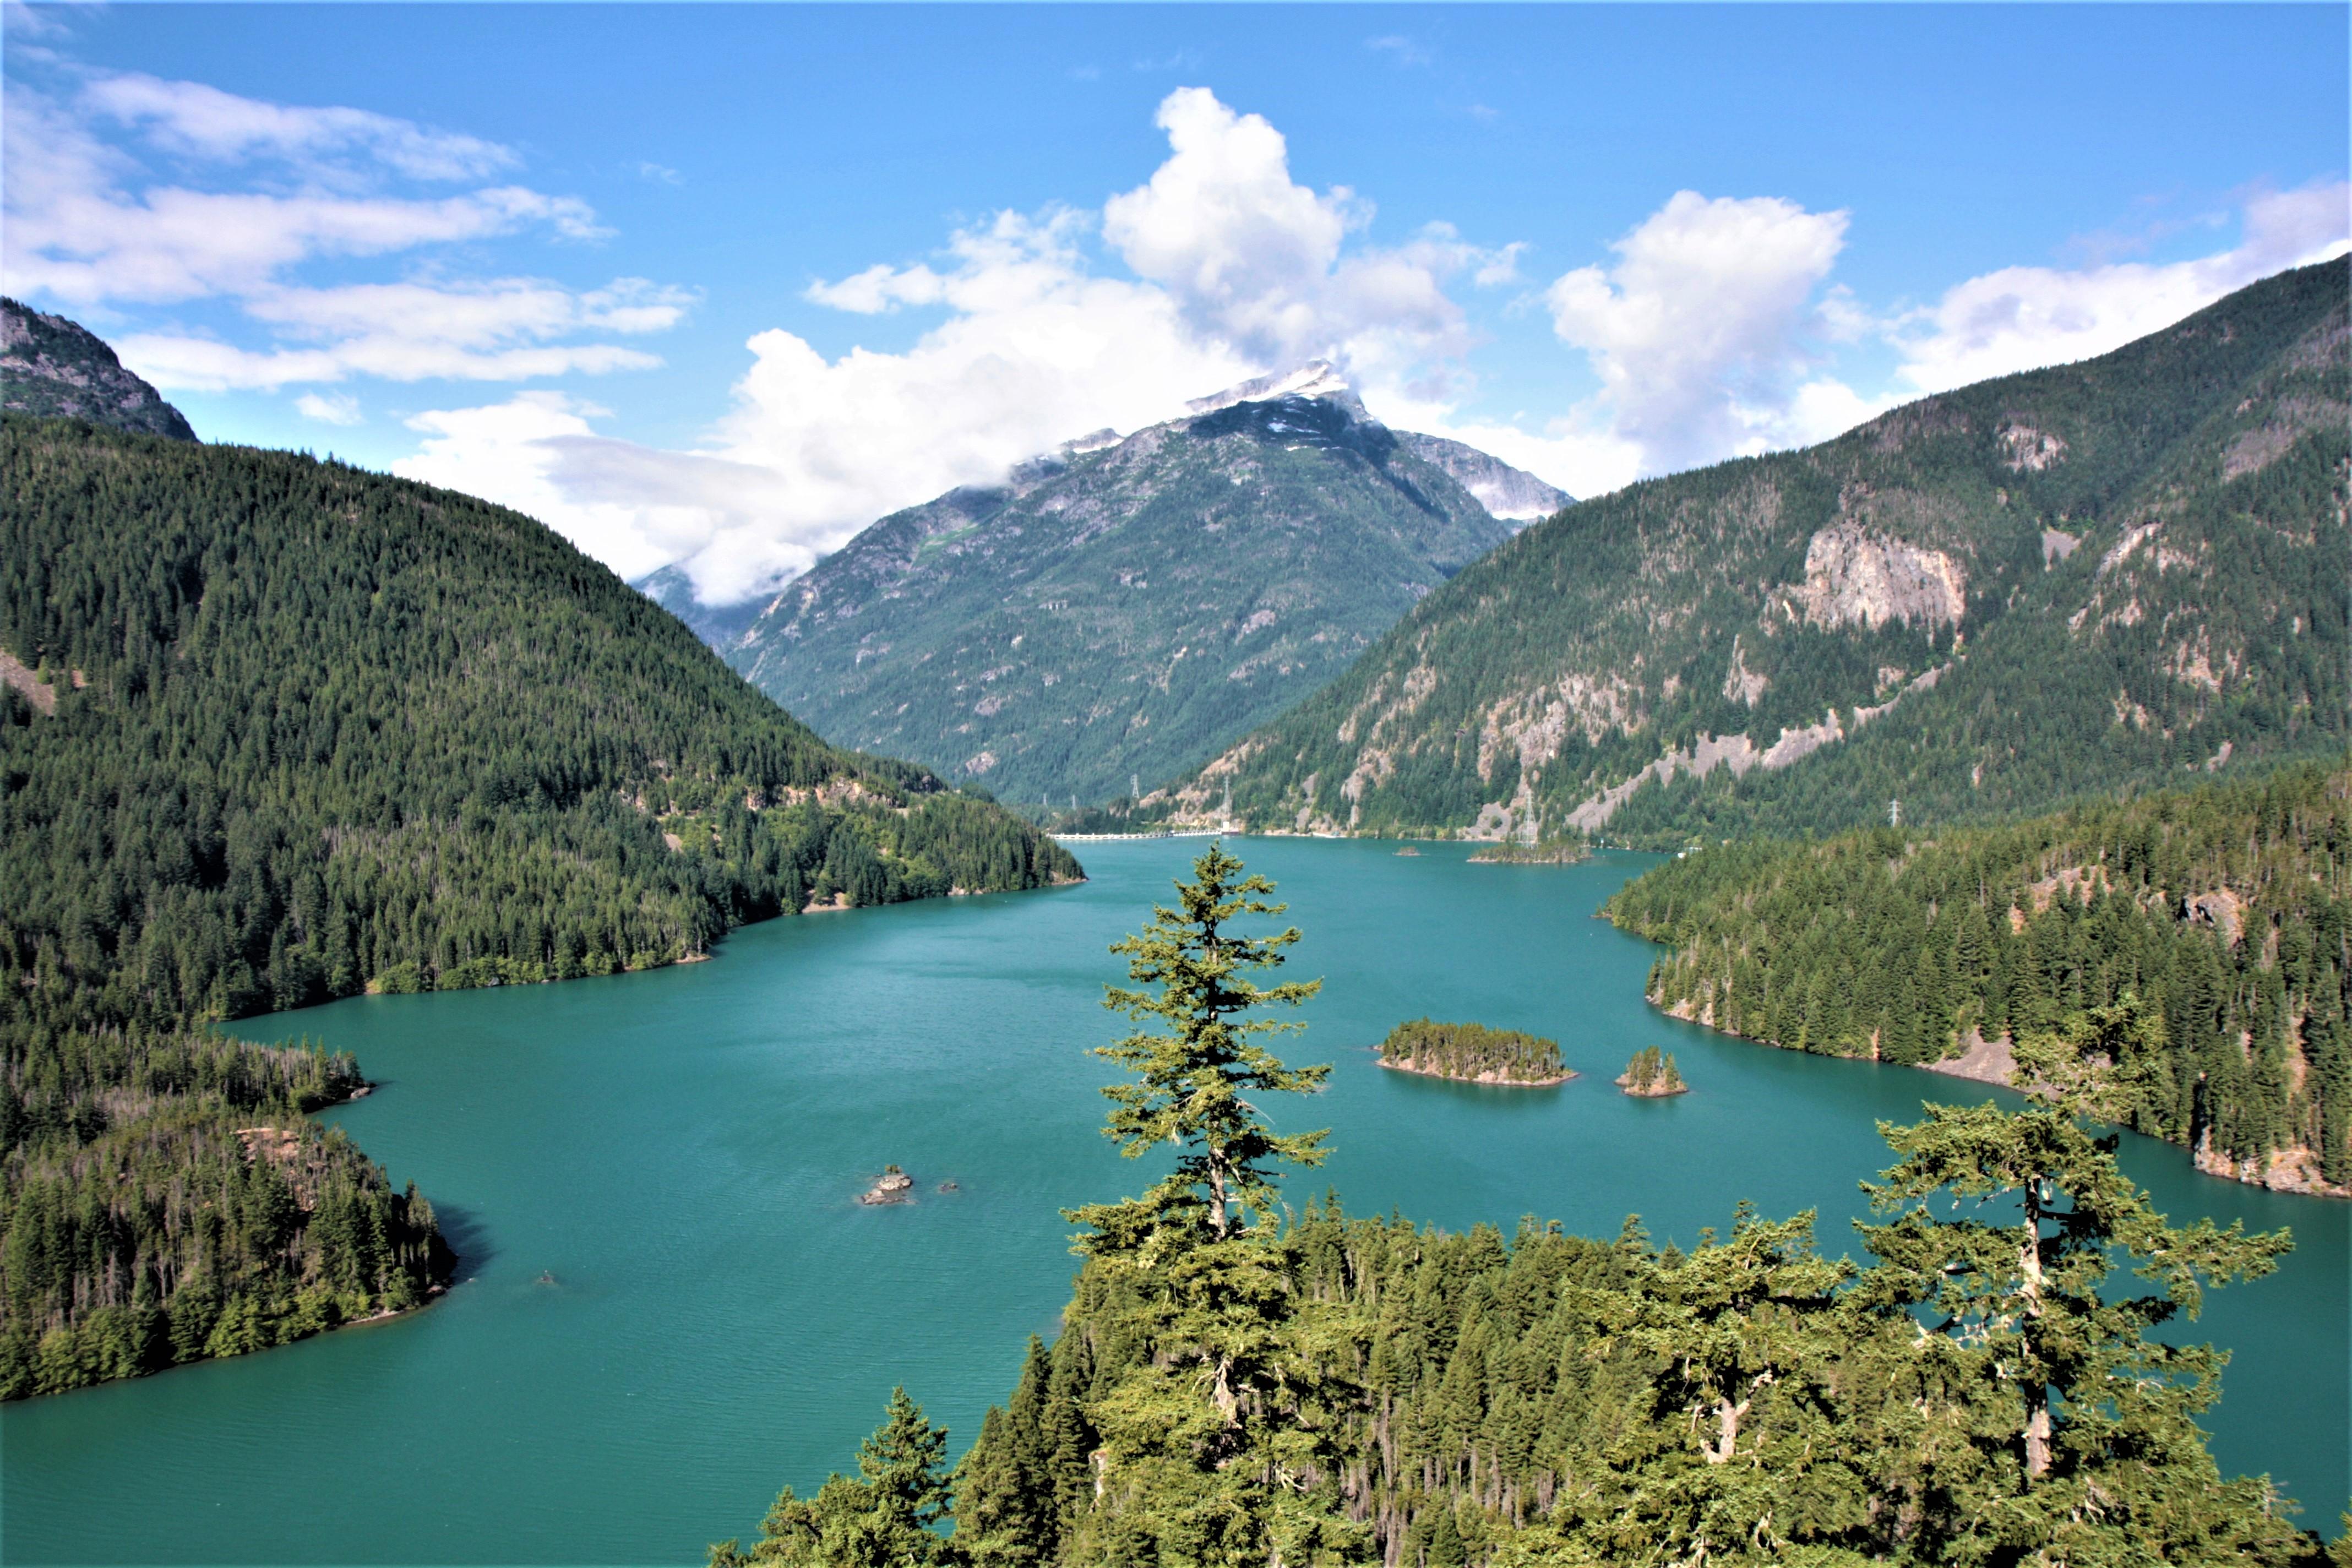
point(894, 1187)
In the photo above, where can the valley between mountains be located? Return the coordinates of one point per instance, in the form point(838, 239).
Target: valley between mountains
point(2009, 726)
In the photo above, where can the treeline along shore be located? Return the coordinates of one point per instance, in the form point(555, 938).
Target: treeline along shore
point(278, 731)
point(2193, 948)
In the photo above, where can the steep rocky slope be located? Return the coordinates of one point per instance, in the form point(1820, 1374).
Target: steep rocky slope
point(52, 367)
point(1984, 603)
point(1125, 606)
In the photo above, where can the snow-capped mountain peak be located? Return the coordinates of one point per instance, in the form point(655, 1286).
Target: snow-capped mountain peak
point(1315, 378)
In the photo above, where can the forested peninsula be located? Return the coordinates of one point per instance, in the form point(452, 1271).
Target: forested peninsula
point(275, 730)
point(2192, 948)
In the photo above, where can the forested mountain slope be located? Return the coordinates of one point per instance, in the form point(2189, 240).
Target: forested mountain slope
point(1126, 606)
point(275, 730)
point(1985, 602)
point(51, 366)
point(2196, 946)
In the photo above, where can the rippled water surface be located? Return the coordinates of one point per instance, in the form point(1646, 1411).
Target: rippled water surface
point(682, 1151)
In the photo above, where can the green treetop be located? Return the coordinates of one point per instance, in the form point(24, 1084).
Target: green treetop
point(1191, 1080)
point(887, 1518)
point(2079, 1424)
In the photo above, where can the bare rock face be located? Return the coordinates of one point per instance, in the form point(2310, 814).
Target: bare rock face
point(1857, 577)
point(54, 368)
point(2220, 908)
point(2027, 451)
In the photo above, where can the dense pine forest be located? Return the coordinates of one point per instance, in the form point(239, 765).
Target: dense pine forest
point(2195, 945)
point(1322, 1390)
point(1985, 605)
point(277, 731)
point(1472, 1051)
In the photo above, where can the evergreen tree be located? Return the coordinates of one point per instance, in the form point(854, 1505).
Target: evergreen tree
point(1191, 1080)
point(2084, 1422)
point(887, 1519)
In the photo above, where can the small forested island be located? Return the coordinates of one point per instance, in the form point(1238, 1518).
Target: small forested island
point(1652, 1075)
point(1474, 1054)
point(1550, 852)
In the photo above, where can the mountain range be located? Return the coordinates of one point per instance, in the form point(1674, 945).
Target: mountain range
point(1123, 606)
point(1983, 604)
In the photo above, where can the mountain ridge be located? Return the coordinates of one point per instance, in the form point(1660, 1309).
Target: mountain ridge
point(1118, 607)
point(1984, 603)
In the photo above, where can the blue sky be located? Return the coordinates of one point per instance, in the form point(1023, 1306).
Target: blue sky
point(722, 284)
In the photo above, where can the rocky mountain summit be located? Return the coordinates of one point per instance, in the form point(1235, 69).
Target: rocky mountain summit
point(1120, 608)
point(1989, 602)
point(54, 368)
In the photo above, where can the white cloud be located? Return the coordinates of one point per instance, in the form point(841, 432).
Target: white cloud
point(330, 408)
point(1697, 331)
point(204, 364)
point(91, 223)
point(488, 330)
point(1401, 48)
point(1219, 224)
point(1238, 270)
point(879, 287)
point(194, 119)
point(2023, 316)
point(538, 453)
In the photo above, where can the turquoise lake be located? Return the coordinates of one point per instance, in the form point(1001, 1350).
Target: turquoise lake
point(681, 1151)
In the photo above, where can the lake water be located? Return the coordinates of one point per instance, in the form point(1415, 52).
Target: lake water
point(681, 1151)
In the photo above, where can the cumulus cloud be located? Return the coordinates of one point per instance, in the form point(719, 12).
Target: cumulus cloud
point(1254, 260)
point(1236, 268)
point(1697, 332)
point(2023, 316)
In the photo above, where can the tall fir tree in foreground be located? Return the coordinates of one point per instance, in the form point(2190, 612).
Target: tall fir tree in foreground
point(1191, 1080)
point(1219, 1447)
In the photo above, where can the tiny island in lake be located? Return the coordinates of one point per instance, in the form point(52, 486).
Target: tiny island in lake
point(1474, 1053)
point(1550, 852)
point(1652, 1075)
point(895, 1187)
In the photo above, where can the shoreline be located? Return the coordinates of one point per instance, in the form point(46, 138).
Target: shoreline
point(2289, 1170)
point(1486, 1081)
